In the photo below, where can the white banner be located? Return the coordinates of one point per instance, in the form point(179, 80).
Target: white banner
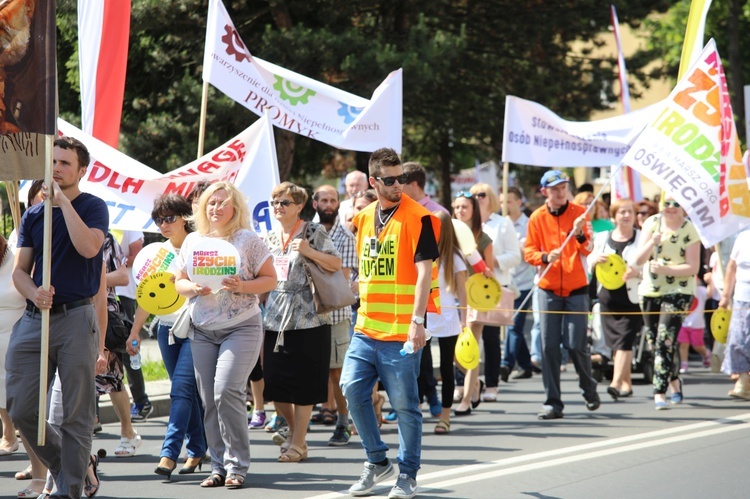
point(129, 188)
point(691, 150)
point(297, 103)
point(534, 135)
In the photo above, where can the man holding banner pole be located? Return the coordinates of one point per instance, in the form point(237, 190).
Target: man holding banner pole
point(79, 223)
point(563, 289)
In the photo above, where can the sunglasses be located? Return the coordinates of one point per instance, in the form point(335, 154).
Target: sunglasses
point(285, 203)
point(464, 194)
point(169, 219)
point(643, 213)
point(389, 181)
point(480, 195)
point(671, 204)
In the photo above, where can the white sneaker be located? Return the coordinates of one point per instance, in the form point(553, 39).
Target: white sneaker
point(371, 475)
point(405, 488)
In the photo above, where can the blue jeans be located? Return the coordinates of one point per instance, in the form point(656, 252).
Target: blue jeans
point(516, 349)
point(186, 411)
point(366, 361)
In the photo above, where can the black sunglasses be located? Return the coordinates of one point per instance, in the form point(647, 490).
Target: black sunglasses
point(285, 203)
point(389, 181)
point(643, 213)
point(170, 219)
point(480, 195)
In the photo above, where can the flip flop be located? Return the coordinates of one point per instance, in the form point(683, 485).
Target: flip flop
point(25, 474)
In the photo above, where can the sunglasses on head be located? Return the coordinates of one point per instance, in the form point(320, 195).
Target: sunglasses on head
point(671, 204)
point(285, 203)
point(170, 219)
point(389, 181)
point(464, 194)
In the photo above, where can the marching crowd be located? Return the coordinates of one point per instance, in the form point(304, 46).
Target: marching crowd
point(264, 337)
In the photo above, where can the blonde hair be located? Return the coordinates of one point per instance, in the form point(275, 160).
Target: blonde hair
point(447, 247)
point(491, 195)
point(240, 219)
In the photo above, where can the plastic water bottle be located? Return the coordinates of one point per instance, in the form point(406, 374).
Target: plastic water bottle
point(135, 360)
point(408, 347)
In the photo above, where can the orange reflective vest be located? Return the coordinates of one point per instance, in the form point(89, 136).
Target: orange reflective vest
point(387, 282)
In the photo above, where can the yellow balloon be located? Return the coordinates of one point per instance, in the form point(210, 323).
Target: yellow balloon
point(157, 294)
point(483, 293)
point(720, 324)
point(467, 349)
point(610, 273)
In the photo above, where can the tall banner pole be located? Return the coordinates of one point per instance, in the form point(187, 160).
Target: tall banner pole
point(202, 125)
point(505, 188)
point(49, 141)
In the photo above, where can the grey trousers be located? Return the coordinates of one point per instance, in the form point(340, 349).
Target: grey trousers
point(223, 360)
point(570, 330)
point(73, 346)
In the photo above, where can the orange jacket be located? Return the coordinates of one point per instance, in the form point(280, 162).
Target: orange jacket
point(547, 232)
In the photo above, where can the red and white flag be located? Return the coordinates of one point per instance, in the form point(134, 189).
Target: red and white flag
point(103, 37)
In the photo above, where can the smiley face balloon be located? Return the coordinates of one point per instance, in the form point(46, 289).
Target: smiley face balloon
point(720, 324)
point(483, 293)
point(467, 349)
point(157, 294)
point(610, 273)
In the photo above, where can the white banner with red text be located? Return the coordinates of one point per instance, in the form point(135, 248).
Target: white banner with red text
point(691, 150)
point(297, 103)
point(129, 188)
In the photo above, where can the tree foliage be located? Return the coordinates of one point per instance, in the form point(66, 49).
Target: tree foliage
point(461, 58)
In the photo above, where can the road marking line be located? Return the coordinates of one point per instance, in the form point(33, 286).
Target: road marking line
point(484, 471)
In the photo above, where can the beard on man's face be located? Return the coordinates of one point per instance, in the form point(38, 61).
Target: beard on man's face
point(328, 217)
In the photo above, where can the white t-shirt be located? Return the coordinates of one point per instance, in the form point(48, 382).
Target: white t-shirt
point(447, 323)
point(128, 238)
point(696, 318)
point(742, 284)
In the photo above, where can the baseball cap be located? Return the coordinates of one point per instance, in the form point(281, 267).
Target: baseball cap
point(553, 178)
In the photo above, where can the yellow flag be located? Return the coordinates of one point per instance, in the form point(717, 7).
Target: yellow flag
point(696, 26)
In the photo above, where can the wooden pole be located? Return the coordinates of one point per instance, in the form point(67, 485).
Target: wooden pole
point(202, 124)
point(49, 141)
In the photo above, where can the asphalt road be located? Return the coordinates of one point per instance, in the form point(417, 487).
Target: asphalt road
point(625, 449)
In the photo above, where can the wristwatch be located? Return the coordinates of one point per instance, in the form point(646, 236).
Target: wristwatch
point(419, 321)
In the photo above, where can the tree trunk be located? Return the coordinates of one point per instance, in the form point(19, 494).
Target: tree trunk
point(445, 158)
point(735, 64)
point(285, 141)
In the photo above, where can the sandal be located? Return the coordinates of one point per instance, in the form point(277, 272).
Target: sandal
point(234, 481)
point(442, 427)
point(293, 454)
point(32, 490)
point(25, 474)
point(127, 446)
point(215, 480)
point(325, 416)
point(91, 488)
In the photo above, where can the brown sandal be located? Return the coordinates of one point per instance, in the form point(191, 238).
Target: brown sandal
point(293, 454)
point(442, 427)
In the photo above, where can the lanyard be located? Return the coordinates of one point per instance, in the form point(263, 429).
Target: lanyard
point(285, 244)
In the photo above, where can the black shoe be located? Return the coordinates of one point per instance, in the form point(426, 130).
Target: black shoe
point(187, 470)
point(626, 394)
point(522, 374)
point(340, 436)
point(504, 373)
point(613, 392)
point(549, 414)
point(593, 405)
point(140, 413)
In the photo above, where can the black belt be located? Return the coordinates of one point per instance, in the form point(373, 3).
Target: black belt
point(56, 309)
